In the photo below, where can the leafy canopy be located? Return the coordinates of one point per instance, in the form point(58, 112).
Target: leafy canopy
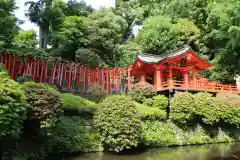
point(26, 38)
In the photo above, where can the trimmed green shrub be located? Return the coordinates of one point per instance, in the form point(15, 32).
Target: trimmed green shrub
point(73, 103)
point(44, 102)
point(148, 102)
point(118, 123)
point(229, 105)
point(12, 106)
point(72, 135)
point(182, 107)
point(150, 113)
point(96, 93)
point(158, 134)
point(160, 101)
point(206, 108)
point(141, 91)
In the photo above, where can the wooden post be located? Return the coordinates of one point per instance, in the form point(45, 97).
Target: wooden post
point(194, 78)
point(129, 79)
point(170, 80)
point(185, 75)
point(158, 78)
point(34, 69)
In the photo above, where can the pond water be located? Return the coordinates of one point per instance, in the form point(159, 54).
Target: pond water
point(201, 152)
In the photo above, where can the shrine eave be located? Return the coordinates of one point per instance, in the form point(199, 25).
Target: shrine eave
point(172, 56)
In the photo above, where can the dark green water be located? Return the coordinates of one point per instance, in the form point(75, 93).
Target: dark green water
point(203, 152)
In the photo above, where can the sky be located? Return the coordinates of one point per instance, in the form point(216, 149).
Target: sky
point(28, 25)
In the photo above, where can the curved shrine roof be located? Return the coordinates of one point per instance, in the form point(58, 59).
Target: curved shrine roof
point(173, 58)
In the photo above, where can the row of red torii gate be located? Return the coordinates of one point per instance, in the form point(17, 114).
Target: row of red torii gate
point(177, 70)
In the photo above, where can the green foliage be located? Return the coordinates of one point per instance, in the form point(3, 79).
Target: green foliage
point(96, 93)
point(142, 90)
point(206, 108)
point(196, 136)
point(72, 135)
point(118, 123)
point(150, 113)
point(88, 57)
point(71, 36)
point(26, 38)
point(148, 102)
point(158, 134)
point(160, 35)
point(229, 106)
point(182, 107)
point(160, 101)
point(8, 21)
point(44, 102)
point(77, 104)
point(12, 106)
point(105, 31)
point(126, 53)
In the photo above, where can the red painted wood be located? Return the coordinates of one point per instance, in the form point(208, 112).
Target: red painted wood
point(85, 78)
point(107, 81)
point(129, 79)
point(42, 73)
point(103, 77)
point(13, 68)
point(70, 76)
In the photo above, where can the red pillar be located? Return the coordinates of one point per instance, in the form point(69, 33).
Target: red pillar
point(185, 75)
point(129, 79)
point(194, 78)
point(170, 78)
point(158, 78)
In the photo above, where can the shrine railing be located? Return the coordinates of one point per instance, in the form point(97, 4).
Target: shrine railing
point(199, 86)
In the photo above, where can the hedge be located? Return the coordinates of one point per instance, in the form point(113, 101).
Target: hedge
point(76, 105)
point(150, 113)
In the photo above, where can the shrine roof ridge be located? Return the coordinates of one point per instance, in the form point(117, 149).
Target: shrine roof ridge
point(151, 58)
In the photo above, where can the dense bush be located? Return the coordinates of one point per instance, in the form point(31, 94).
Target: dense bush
point(206, 108)
point(158, 134)
point(96, 93)
point(72, 134)
point(159, 101)
point(150, 113)
point(12, 106)
point(182, 107)
point(148, 102)
point(229, 105)
point(141, 91)
point(118, 123)
point(44, 102)
point(73, 103)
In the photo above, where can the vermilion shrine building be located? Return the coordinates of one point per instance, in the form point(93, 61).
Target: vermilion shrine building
point(178, 70)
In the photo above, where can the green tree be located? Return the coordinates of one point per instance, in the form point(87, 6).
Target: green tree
point(72, 35)
point(159, 34)
point(105, 31)
point(8, 21)
point(26, 38)
point(76, 8)
point(126, 53)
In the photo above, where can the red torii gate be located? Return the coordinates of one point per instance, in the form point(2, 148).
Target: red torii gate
point(61, 71)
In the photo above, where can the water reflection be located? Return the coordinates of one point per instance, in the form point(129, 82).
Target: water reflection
point(203, 152)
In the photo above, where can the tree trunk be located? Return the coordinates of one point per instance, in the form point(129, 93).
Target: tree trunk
point(43, 37)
